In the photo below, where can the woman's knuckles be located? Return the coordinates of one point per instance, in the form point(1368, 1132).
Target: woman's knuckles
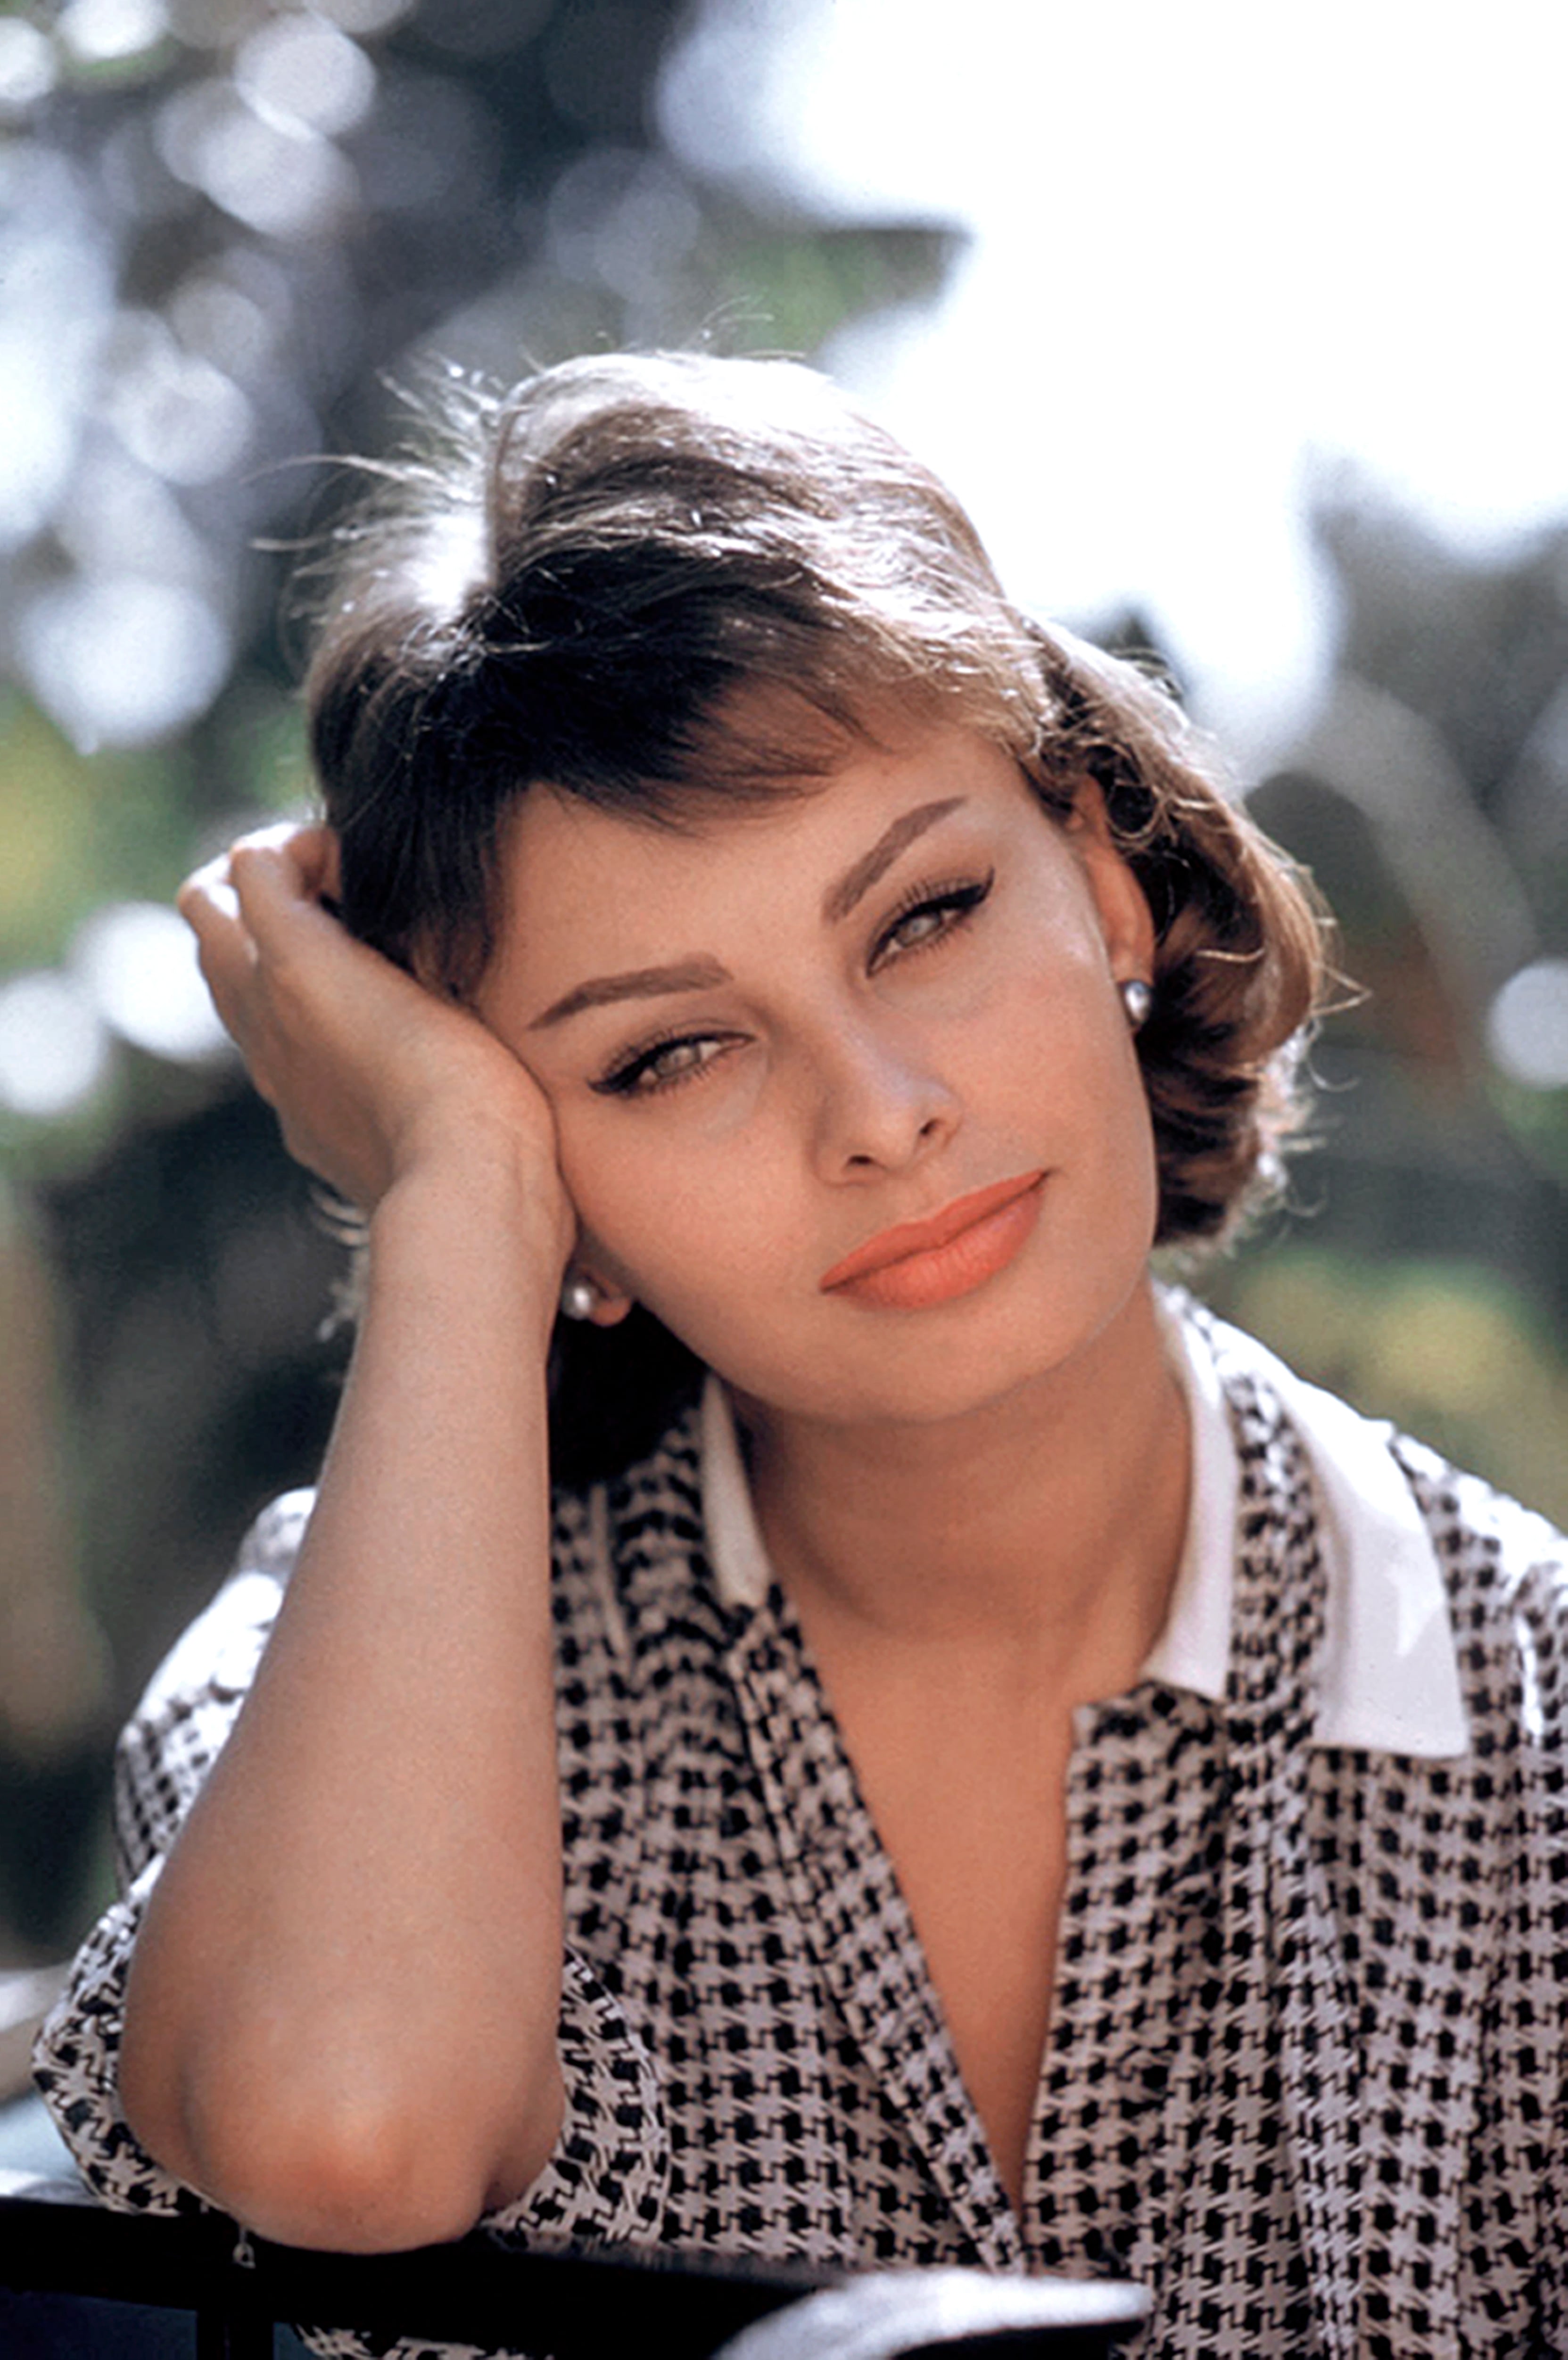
point(367, 1071)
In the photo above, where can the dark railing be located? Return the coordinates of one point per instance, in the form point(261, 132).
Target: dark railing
point(572, 2303)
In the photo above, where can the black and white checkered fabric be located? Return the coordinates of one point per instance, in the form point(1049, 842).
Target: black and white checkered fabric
point(1305, 2076)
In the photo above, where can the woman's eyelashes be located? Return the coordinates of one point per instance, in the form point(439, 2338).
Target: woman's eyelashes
point(928, 914)
point(663, 1065)
point(925, 917)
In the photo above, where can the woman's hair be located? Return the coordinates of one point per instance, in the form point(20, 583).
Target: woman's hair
point(660, 581)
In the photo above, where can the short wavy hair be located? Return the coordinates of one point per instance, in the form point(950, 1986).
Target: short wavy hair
point(655, 581)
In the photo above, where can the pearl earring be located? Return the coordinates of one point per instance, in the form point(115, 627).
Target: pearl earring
point(1137, 999)
point(579, 1296)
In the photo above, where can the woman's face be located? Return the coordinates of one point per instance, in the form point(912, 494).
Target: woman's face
point(774, 1037)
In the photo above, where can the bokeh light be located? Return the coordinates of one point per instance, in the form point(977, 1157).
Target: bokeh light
point(54, 1048)
point(137, 960)
point(173, 410)
point(26, 65)
point(272, 172)
point(102, 32)
point(123, 660)
point(298, 71)
point(1526, 1025)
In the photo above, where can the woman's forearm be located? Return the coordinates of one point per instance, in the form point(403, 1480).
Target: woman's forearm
point(341, 2016)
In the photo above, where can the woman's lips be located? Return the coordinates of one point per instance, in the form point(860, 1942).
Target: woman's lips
point(919, 1263)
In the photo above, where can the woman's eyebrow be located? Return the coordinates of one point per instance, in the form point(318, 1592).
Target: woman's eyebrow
point(637, 983)
point(856, 882)
point(705, 974)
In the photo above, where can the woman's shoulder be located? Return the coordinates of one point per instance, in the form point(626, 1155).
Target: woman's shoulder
point(1505, 1569)
point(1465, 1515)
point(1412, 1543)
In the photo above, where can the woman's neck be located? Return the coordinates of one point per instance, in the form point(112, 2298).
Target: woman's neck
point(1047, 1526)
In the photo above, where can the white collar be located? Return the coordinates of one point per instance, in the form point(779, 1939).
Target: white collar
point(1389, 1680)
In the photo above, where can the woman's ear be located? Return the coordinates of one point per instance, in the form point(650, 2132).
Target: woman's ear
point(1126, 921)
point(586, 1296)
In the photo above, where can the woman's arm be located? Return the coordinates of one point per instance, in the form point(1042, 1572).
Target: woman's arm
point(341, 2013)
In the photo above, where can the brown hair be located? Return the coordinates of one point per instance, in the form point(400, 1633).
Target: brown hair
point(654, 579)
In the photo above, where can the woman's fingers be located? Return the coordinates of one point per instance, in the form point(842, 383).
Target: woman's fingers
point(262, 875)
point(280, 970)
point(255, 911)
point(279, 876)
point(207, 895)
point(211, 908)
point(367, 1069)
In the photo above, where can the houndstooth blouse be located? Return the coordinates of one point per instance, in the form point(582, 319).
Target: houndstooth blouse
point(1305, 2075)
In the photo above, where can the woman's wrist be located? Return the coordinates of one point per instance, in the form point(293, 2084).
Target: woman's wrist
point(486, 1225)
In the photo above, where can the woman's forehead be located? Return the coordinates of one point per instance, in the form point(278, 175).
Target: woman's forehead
point(575, 876)
point(551, 826)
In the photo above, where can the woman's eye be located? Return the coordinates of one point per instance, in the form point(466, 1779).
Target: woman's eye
point(928, 917)
point(662, 1065)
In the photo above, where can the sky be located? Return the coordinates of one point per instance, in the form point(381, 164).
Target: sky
point(1220, 255)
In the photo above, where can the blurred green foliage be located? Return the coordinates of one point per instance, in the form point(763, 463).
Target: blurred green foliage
point(76, 830)
point(1448, 1351)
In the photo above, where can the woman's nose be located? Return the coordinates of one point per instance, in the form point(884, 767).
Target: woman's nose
point(881, 1103)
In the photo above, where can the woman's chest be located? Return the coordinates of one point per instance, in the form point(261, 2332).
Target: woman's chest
point(842, 1941)
point(972, 1816)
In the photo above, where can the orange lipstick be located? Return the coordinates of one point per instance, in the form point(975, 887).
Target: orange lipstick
point(917, 1265)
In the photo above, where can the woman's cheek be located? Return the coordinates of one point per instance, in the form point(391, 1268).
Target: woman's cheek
point(637, 1187)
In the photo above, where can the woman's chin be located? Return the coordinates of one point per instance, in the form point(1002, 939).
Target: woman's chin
point(929, 1368)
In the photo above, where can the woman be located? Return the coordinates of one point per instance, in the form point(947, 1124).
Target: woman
point(994, 1769)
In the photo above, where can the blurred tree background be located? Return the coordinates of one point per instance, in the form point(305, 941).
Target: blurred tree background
point(229, 229)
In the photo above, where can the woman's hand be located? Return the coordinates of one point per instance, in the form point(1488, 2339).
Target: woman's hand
point(368, 1072)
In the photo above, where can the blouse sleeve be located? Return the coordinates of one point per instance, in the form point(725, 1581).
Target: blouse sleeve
point(605, 2180)
point(164, 1756)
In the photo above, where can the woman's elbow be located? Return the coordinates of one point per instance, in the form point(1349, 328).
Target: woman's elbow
point(346, 2188)
point(357, 2175)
